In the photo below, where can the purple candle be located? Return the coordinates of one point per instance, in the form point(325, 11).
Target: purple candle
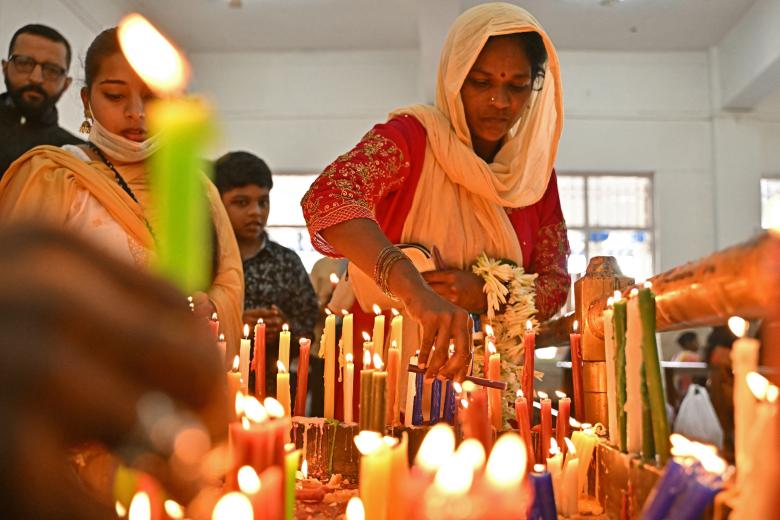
point(449, 403)
point(672, 483)
point(417, 413)
point(543, 507)
point(435, 401)
point(700, 492)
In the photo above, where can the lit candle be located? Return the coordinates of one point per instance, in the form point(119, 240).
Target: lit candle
point(355, 509)
point(233, 506)
point(259, 359)
point(347, 328)
point(562, 421)
point(378, 396)
point(397, 330)
point(634, 375)
point(411, 386)
point(397, 505)
point(309, 489)
point(349, 380)
point(529, 346)
point(546, 424)
point(569, 488)
point(619, 331)
point(213, 323)
point(375, 465)
point(505, 468)
point(744, 359)
point(523, 423)
point(379, 331)
point(283, 387)
point(544, 496)
point(610, 354)
point(476, 421)
point(249, 484)
point(222, 346)
point(303, 377)
point(575, 343)
point(393, 375)
point(284, 345)
point(584, 442)
point(243, 353)
point(366, 380)
point(233, 386)
point(555, 467)
point(330, 366)
point(494, 395)
point(437, 446)
point(292, 458)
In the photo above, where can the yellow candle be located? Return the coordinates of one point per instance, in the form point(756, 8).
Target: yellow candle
point(399, 473)
point(379, 332)
point(494, 373)
point(584, 442)
point(397, 330)
point(330, 365)
point(234, 387)
point(349, 379)
point(375, 465)
point(347, 328)
point(284, 345)
point(243, 353)
point(283, 387)
point(378, 396)
point(555, 467)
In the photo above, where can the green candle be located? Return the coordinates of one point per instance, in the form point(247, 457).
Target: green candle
point(648, 446)
point(652, 367)
point(366, 380)
point(291, 460)
point(619, 327)
point(378, 397)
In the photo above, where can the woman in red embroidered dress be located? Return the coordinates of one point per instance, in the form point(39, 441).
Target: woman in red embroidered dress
point(472, 174)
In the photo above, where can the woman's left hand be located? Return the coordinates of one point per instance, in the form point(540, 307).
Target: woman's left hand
point(463, 288)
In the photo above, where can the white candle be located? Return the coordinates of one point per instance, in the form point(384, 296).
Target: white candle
point(410, 391)
point(609, 351)
point(633, 375)
point(379, 332)
point(349, 379)
point(569, 482)
point(397, 330)
point(584, 442)
point(283, 388)
point(243, 364)
point(555, 467)
point(330, 366)
point(744, 359)
point(347, 329)
point(284, 345)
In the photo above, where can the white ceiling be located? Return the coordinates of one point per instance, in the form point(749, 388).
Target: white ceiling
point(633, 25)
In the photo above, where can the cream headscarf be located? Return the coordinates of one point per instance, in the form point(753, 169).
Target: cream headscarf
point(459, 201)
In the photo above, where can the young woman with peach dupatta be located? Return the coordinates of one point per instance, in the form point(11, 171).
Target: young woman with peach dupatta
point(471, 175)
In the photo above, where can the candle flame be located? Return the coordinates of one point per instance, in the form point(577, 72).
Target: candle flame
point(334, 278)
point(273, 407)
point(529, 325)
point(233, 506)
point(454, 477)
point(366, 337)
point(491, 347)
point(437, 446)
point(570, 447)
point(705, 454)
point(634, 292)
point(221, 338)
point(469, 386)
point(153, 57)
point(395, 311)
point(574, 423)
point(280, 367)
point(488, 330)
point(772, 393)
point(285, 328)
point(538, 468)
point(173, 509)
point(394, 344)
point(214, 317)
point(451, 350)
point(120, 509)
point(542, 395)
point(355, 509)
point(305, 468)
point(758, 384)
point(507, 462)
point(560, 394)
point(457, 387)
point(344, 312)
point(368, 442)
point(248, 481)
point(245, 424)
point(610, 301)
point(586, 426)
point(617, 295)
point(140, 507)
point(246, 330)
point(377, 309)
point(328, 312)
point(738, 326)
point(239, 404)
point(349, 358)
point(648, 284)
point(471, 453)
point(366, 359)
point(464, 403)
point(390, 442)
point(576, 326)
point(236, 362)
point(254, 411)
point(303, 342)
point(554, 448)
point(519, 392)
point(378, 362)
point(260, 321)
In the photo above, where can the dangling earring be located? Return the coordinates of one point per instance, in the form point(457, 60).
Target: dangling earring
point(86, 126)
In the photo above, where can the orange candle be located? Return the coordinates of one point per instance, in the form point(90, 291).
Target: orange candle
point(258, 362)
point(529, 346)
point(546, 424)
point(562, 422)
point(393, 373)
point(233, 386)
point(303, 377)
point(283, 387)
point(494, 373)
point(524, 425)
point(575, 342)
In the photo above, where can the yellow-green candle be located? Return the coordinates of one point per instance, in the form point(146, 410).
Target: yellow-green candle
point(292, 458)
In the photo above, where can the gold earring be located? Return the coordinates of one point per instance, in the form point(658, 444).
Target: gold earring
point(86, 126)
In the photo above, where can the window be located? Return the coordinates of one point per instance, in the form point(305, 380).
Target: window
point(770, 202)
point(285, 222)
point(609, 215)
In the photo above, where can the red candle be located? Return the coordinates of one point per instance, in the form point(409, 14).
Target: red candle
point(524, 425)
point(393, 367)
point(214, 326)
point(259, 359)
point(575, 340)
point(546, 424)
point(303, 378)
point(529, 347)
point(271, 494)
point(476, 422)
point(489, 338)
point(494, 395)
point(562, 422)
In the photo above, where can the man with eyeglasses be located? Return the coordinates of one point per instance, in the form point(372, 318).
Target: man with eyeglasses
point(36, 76)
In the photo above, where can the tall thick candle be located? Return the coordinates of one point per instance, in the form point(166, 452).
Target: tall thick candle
point(562, 422)
point(303, 377)
point(609, 351)
point(585, 442)
point(330, 367)
point(378, 337)
point(555, 467)
point(284, 345)
point(546, 424)
point(349, 381)
point(569, 488)
point(283, 387)
point(494, 373)
point(411, 380)
point(243, 353)
point(366, 381)
point(378, 396)
point(529, 346)
point(347, 331)
point(524, 424)
point(575, 342)
point(744, 359)
point(393, 376)
point(375, 466)
point(619, 330)
point(259, 359)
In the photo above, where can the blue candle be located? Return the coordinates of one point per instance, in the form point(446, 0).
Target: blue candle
point(449, 403)
point(699, 494)
point(543, 507)
point(672, 483)
point(435, 401)
point(417, 413)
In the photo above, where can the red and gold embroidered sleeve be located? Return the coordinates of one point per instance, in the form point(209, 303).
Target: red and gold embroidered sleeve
point(549, 261)
point(352, 185)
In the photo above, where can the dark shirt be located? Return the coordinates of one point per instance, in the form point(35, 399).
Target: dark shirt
point(19, 134)
point(276, 276)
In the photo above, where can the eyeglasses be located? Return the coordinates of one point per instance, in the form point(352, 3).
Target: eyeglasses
point(26, 65)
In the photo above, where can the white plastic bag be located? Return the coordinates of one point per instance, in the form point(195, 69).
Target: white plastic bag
point(697, 419)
